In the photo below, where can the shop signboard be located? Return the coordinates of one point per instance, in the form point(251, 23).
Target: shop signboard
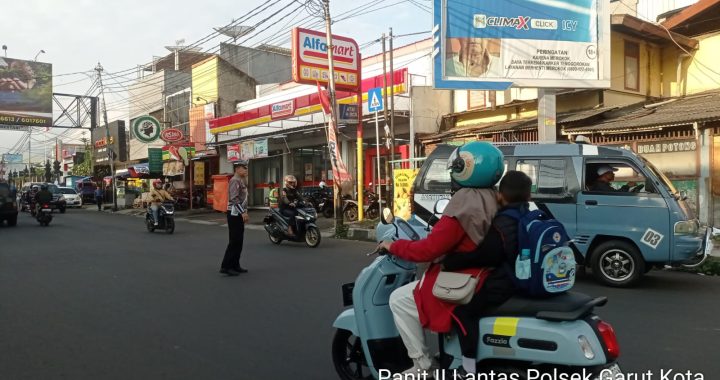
point(402, 183)
point(310, 59)
point(282, 109)
point(146, 128)
point(261, 148)
point(348, 114)
point(492, 45)
point(233, 152)
point(25, 93)
point(172, 135)
point(155, 160)
point(667, 147)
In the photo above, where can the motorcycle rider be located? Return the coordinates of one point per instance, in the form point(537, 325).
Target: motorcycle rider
point(158, 195)
point(30, 197)
point(475, 169)
point(289, 202)
point(44, 196)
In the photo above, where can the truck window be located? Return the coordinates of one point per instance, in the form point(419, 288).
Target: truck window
point(437, 178)
point(623, 178)
point(548, 176)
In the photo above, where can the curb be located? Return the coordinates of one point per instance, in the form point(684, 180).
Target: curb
point(362, 234)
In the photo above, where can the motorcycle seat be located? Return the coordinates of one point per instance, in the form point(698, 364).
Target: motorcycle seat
point(567, 306)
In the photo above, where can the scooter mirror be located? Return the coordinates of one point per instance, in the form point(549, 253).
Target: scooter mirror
point(440, 206)
point(387, 216)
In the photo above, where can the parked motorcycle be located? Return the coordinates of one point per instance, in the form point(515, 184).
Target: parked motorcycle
point(371, 208)
point(559, 334)
point(306, 230)
point(44, 215)
point(166, 216)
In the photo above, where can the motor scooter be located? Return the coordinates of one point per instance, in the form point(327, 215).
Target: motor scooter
point(371, 208)
point(44, 214)
point(166, 216)
point(276, 225)
point(557, 335)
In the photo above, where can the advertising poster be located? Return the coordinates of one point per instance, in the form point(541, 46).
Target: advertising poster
point(10, 158)
point(524, 43)
point(199, 173)
point(261, 148)
point(247, 150)
point(233, 152)
point(402, 182)
point(155, 160)
point(25, 93)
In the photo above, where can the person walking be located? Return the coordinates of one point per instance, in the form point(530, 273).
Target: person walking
point(237, 216)
point(99, 197)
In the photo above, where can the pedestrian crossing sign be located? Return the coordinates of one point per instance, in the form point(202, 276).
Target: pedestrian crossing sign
point(375, 99)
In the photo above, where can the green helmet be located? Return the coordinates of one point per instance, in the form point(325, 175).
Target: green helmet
point(476, 164)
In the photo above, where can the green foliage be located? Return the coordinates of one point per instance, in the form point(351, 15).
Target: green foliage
point(711, 267)
point(85, 168)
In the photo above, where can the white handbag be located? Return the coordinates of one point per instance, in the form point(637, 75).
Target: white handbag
point(457, 288)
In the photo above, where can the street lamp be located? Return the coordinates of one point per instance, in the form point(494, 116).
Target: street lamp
point(4, 47)
point(40, 52)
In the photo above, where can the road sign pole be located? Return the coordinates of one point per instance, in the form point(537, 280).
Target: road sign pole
point(377, 155)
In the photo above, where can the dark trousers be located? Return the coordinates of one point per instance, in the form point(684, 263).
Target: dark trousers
point(99, 201)
point(236, 229)
point(470, 314)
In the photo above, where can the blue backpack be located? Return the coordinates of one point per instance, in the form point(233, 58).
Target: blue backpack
point(545, 264)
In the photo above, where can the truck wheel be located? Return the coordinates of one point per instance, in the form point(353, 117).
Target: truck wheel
point(617, 263)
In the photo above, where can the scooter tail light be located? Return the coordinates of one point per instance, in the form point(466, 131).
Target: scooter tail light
point(607, 333)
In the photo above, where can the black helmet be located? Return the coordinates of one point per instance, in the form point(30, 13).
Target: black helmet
point(43, 186)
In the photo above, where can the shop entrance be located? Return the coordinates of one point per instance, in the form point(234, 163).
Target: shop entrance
point(263, 172)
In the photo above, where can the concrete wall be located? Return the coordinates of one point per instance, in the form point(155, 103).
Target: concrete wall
point(650, 65)
point(234, 87)
point(428, 107)
point(146, 94)
point(263, 66)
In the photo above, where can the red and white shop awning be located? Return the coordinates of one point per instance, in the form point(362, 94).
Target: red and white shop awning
point(301, 105)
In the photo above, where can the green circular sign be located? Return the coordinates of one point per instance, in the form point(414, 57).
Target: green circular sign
point(146, 129)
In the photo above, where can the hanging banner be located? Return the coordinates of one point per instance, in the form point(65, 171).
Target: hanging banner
point(247, 150)
point(155, 160)
point(340, 172)
point(233, 152)
point(261, 148)
point(402, 183)
point(199, 173)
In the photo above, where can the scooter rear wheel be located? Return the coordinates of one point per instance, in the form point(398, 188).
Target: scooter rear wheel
point(312, 237)
point(348, 356)
point(274, 240)
point(169, 226)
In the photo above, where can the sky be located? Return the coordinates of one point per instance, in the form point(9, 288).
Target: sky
point(121, 34)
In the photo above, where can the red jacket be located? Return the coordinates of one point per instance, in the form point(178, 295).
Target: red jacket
point(447, 236)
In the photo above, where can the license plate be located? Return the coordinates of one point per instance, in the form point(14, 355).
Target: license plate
point(47, 209)
point(610, 373)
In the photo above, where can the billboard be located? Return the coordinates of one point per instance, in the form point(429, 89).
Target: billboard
point(25, 93)
point(10, 158)
point(310, 59)
point(492, 45)
point(116, 142)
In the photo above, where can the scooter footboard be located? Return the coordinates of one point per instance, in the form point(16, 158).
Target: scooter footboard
point(534, 340)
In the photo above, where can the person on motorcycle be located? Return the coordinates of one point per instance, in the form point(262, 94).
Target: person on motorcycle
point(158, 195)
point(289, 202)
point(44, 196)
point(30, 196)
point(499, 247)
point(474, 169)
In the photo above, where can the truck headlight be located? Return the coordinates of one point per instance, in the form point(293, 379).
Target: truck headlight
point(688, 227)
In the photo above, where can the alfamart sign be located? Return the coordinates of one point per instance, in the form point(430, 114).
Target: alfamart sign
point(310, 59)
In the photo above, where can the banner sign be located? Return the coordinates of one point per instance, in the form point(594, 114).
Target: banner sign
point(25, 93)
point(348, 113)
point(247, 150)
point(261, 148)
point(493, 45)
point(10, 158)
point(402, 183)
point(155, 160)
point(233, 152)
point(340, 172)
point(199, 173)
point(667, 147)
point(310, 59)
point(146, 129)
point(282, 109)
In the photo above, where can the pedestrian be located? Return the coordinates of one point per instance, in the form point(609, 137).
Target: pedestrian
point(99, 197)
point(237, 216)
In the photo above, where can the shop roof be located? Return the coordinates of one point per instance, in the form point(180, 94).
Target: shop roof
point(649, 31)
point(688, 19)
point(685, 110)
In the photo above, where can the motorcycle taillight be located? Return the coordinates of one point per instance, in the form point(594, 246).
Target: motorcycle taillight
point(609, 339)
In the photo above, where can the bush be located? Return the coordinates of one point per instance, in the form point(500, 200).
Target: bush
point(711, 267)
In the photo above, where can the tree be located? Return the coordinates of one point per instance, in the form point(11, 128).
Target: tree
point(85, 168)
point(48, 171)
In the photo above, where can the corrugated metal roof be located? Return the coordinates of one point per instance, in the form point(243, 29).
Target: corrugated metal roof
point(681, 111)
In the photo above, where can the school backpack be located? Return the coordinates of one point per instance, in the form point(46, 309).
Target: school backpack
point(545, 264)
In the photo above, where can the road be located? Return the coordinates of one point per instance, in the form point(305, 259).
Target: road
point(95, 296)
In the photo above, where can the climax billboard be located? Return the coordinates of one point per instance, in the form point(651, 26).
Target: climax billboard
point(25, 93)
point(310, 59)
point(492, 45)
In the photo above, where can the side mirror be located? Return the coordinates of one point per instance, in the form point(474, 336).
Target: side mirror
point(387, 216)
point(683, 195)
point(440, 206)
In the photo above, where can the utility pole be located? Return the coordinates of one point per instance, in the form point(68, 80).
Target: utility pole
point(388, 195)
point(333, 110)
point(99, 69)
point(392, 125)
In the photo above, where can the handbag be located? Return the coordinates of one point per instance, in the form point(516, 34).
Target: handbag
point(457, 288)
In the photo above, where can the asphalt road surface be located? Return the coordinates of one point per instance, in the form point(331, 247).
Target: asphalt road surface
point(95, 296)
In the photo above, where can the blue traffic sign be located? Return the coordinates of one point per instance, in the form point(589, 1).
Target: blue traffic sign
point(375, 99)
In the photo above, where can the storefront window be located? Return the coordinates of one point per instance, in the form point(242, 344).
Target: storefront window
point(311, 165)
